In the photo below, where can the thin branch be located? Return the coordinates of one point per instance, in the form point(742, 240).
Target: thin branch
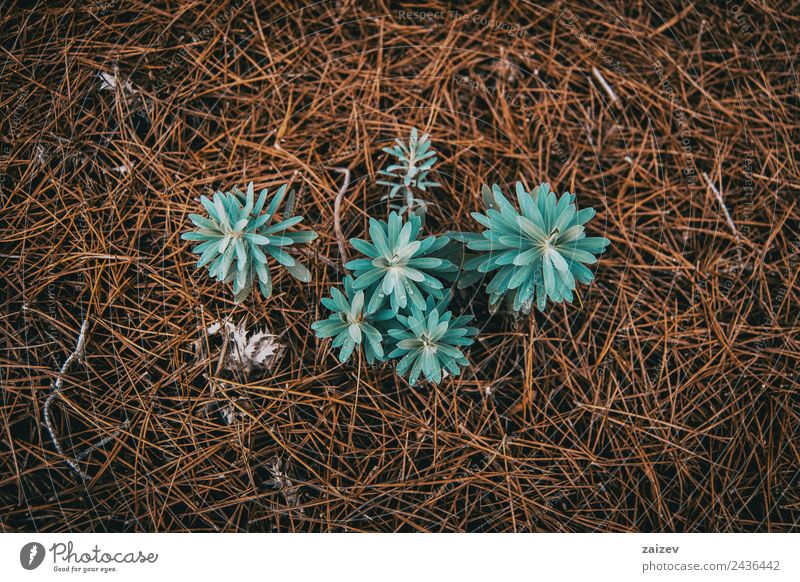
point(337, 205)
point(728, 218)
point(77, 354)
point(226, 336)
point(599, 76)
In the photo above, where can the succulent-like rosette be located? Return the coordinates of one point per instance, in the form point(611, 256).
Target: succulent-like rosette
point(415, 160)
point(236, 237)
point(429, 340)
point(352, 324)
point(538, 252)
point(399, 266)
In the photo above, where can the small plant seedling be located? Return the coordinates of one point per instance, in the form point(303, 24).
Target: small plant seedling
point(415, 161)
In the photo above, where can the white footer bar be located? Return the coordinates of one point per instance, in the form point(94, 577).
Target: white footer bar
point(407, 557)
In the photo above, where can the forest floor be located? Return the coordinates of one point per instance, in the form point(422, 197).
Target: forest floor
point(665, 398)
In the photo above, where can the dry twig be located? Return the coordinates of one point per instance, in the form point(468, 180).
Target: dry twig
point(337, 208)
point(76, 356)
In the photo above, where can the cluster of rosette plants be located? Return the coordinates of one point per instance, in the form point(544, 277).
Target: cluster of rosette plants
point(395, 304)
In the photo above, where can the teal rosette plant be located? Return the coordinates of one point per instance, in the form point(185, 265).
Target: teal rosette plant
point(538, 252)
point(410, 173)
point(429, 340)
point(399, 266)
point(236, 237)
point(352, 324)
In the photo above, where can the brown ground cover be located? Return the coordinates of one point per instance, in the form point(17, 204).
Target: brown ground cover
point(664, 399)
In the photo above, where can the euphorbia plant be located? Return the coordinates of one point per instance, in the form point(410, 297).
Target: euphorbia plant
point(403, 271)
point(352, 324)
point(399, 266)
point(415, 161)
point(537, 252)
point(429, 341)
point(237, 235)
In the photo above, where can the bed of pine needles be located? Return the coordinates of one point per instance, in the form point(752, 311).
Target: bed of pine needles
point(664, 399)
